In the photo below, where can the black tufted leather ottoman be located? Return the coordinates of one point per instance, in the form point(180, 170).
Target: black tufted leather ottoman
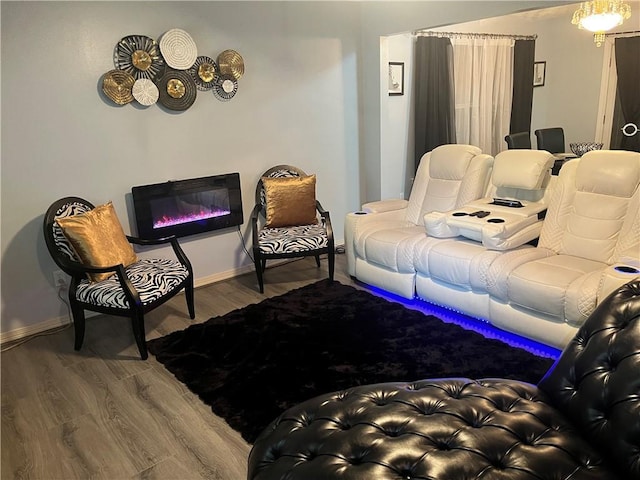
point(581, 422)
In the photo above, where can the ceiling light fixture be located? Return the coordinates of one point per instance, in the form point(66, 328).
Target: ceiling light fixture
point(600, 16)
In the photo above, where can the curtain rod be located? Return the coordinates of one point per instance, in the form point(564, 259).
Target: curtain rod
point(431, 33)
point(613, 34)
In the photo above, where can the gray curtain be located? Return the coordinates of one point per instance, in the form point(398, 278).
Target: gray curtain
point(433, 93)
point(628, 69)
point(521, 105)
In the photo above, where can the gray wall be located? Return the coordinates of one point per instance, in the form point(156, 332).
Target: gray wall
point(309, 97)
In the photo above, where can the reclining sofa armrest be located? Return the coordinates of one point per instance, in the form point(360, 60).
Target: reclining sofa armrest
point(614, 277)
point(385, 205)
point(435, 224)
point(499, 236)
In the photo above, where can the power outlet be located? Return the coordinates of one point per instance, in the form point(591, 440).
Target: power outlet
point(60, 279)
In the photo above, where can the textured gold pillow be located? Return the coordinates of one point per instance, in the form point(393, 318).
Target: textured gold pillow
point(290, 201)
point(98, 239)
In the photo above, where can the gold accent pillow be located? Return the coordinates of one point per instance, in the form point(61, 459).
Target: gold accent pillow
point(98, 239)
point(290, 201)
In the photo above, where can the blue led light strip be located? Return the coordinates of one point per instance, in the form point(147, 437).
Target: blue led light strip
point(469, 323)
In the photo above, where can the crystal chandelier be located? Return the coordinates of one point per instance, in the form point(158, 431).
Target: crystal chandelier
point(600, 16)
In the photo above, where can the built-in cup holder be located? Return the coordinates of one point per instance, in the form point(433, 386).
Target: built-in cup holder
point(626, 269)
point(360, 213)
point(479, 214)
point(496, 220)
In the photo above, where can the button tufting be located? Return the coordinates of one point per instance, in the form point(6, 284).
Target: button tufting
point(274, 453)
point(443, 446)
point(476, 423)
point(344, 426)
point(341, 396)
point(406, 474)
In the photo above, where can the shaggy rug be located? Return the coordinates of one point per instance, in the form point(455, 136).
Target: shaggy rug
point(257, 361)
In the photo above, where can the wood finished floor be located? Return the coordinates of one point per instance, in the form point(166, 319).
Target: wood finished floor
point(102, 413)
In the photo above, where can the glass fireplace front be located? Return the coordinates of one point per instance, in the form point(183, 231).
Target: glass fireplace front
point(188, 207)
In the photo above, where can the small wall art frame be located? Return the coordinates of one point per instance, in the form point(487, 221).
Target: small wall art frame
point(396, 78)
point(539, 73)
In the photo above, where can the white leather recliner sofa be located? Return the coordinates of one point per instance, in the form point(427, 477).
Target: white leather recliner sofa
point(589, 245)
point(451, 263)
point(379, 240)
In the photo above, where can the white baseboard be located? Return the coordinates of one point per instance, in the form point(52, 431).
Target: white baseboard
point(22, 332)
point(218, 277)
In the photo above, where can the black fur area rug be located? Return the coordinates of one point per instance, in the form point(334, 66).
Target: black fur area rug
point(257, 361)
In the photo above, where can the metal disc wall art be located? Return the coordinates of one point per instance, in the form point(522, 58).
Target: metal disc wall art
point(169, 71)
point(178, 49)
point(139, 56)
point(231, 63)
point(177, 90)
point(226, 88)
point(117, 85)
point(205, 73)
point(145, 92)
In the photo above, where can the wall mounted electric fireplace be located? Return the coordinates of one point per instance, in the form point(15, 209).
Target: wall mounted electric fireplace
point(187, 207)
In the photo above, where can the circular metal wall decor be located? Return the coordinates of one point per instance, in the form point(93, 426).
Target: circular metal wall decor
point(117, 85)
point(177, 90)
point(205, 73)
point(226, 88)
point(231, 63)
point(178, 49)
point(145, 92)
point(139, 56)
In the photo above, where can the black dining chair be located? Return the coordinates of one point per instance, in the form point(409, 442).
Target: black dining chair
point(550, 139)
point(519, 140)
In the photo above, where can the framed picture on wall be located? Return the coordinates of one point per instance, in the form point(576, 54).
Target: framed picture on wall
point(539, 71)
point(396, 78)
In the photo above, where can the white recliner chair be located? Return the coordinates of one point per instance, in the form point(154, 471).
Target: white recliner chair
point(380, 239)
point(589, 245)
point(451, 263)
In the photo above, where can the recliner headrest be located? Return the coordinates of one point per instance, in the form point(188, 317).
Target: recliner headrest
point(524, 169)
point(609, 172)
point(451, 162)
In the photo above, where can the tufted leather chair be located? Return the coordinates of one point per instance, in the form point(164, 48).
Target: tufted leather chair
point(582, 421)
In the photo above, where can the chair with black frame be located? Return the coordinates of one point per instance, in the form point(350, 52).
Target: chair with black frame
point(288, 221)
point(550, 139)
point(88, 244)
point(519, 140)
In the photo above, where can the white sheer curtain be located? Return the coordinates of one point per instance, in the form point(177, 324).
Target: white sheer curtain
point(483, 86)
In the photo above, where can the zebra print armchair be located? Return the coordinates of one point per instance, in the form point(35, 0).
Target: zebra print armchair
point(311, 236)
point(129, 291)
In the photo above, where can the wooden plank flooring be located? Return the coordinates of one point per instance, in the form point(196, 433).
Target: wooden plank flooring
point(102, 413)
